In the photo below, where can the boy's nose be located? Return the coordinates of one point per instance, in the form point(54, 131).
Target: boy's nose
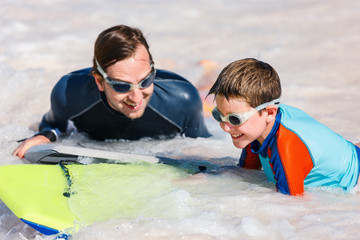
point(226, 126)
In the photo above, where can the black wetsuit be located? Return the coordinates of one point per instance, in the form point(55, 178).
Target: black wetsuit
point(175, 107)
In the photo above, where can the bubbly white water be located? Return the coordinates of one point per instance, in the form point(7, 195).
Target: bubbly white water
point(314, 46)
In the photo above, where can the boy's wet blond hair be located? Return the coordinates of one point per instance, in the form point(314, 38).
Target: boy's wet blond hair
point(254, 81)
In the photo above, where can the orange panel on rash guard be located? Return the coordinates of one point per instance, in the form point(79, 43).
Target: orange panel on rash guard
point(295, 159)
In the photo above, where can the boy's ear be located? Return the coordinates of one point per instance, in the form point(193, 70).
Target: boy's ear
point(99, 82)
point(271, 113)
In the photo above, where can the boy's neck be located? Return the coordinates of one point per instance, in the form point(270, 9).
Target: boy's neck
point(264, 135)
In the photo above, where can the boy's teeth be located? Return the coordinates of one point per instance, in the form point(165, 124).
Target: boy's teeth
point(237, 135)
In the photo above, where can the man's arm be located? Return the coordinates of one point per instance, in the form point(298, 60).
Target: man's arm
point(28, 143)
point(46, 131)
point(56, 120)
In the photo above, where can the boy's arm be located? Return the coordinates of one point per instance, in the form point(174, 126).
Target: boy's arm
point(291, 162)
point(249, 160)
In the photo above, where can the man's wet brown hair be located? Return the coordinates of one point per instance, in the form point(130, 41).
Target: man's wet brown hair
point(117, 43)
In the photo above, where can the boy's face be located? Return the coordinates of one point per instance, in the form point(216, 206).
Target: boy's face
point(255, 128)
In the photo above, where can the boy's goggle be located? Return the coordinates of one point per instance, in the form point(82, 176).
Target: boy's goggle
point(124, 87)
point(237, 119)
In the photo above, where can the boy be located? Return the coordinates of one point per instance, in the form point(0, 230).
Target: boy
point(293, 148)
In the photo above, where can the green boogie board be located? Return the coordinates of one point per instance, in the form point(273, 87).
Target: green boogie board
point(53, 198)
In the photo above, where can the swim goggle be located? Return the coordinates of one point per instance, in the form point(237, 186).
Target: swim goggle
point(237, 119)
point(124, 87)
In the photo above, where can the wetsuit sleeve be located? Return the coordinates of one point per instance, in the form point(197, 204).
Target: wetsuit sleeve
point(249, 160)
point(55, 121)
point(70, 97)
point(291, 162)
point(194, 126)
point(178, 101)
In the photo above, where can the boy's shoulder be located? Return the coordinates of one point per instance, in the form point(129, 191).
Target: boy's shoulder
point(293, 114)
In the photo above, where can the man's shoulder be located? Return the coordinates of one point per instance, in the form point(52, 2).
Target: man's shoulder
point(75, 79)
point(173, 86)
point(77, 87)
point(175, 98)
point(162, 74)
point(78, 75)
point(178, 101)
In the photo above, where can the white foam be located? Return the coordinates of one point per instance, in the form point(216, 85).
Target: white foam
point(313, 45)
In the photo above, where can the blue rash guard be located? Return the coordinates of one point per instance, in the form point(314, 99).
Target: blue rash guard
point(174, 108)
point(299, 151)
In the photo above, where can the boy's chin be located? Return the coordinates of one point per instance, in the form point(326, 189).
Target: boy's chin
point(241, 144)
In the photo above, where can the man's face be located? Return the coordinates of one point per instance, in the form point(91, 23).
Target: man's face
point(131, 70)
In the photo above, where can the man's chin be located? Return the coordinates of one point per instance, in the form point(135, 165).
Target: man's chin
point(134, 114)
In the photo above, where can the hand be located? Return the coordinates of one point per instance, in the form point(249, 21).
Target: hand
point(28, 143)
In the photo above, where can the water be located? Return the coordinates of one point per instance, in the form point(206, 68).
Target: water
point(314, 46)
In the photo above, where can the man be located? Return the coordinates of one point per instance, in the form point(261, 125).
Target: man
point(122, 97)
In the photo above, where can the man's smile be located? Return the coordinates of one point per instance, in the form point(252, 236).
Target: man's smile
point(132, 105)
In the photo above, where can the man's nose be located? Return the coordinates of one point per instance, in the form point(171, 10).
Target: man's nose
point(135, 95)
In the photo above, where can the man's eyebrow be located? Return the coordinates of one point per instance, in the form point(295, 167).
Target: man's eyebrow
point(116, 79)
point(120, 80)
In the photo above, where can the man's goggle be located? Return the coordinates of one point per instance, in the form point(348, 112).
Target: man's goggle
point(237, 119)
point(124, 87)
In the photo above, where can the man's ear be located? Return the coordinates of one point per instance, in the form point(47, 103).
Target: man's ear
point(99, 82)
point(271, 113)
